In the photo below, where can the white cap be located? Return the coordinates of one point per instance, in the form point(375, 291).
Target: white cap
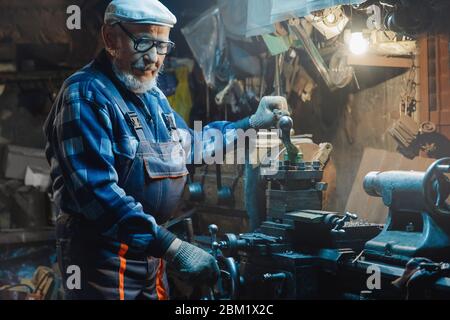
point(139, 11)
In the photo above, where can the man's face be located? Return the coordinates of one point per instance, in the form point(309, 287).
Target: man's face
point(144, 67)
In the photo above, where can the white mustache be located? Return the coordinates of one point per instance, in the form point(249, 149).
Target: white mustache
point(132, 83)
point(145, 68)
point(142, 66)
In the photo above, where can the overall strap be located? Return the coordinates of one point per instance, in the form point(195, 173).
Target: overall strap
point(130, 116)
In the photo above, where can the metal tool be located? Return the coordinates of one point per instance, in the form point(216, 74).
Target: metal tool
point(189, 229)
point(228, 283)
point(340, 223)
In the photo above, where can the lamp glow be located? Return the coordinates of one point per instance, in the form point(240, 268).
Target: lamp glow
point(357, 44)
point(331, 18)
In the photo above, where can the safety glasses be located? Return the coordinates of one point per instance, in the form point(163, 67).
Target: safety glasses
point(145, 44)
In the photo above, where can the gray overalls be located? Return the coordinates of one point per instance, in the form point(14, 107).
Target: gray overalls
point(155, 178)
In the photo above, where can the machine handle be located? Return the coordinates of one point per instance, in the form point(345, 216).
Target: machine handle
point(339, 224)
point(436, 187)
point(189, 228)
point(285, 124)
point(212, 228)
point(229, 271)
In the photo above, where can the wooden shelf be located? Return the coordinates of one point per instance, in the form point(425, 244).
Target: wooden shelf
point(379, 61)
point(20, 236)
point(8, 77)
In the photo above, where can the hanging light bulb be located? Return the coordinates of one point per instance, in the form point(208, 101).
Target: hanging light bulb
point(358, 44)
point(331, 18)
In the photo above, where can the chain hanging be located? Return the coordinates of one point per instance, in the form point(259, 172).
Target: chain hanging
point(408, 103)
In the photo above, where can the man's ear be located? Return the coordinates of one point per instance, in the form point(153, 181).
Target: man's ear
point(109, 39)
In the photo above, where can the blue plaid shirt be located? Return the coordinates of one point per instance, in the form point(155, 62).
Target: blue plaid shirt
point(89, 146)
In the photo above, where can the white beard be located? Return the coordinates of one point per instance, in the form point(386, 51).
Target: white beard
point(132, 83)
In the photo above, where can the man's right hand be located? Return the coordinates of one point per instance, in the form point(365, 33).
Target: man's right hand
point(270, 109)
point(194, 264)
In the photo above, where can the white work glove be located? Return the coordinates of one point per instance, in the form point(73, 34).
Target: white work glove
point(194, 265)
point(270, 109)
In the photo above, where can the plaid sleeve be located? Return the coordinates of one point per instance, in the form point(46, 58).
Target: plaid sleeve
point(204, 143)
point(84, 138)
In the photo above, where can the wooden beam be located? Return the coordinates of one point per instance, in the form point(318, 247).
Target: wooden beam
point(20, 236)
point(378, 61)
point(8, 77)
point(424, 107)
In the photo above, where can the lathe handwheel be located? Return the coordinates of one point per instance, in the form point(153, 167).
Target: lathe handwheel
point(227, 286)
point(436, 186)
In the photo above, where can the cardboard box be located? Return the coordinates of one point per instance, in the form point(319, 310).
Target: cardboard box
point(7, 67)
point(37, 177)
point(16, 159)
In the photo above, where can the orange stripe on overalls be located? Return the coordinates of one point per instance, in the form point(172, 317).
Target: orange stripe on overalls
point(160, 288)
point(123, 265)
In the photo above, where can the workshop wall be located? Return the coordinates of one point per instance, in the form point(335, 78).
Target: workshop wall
point(351, 122)
point(349, 125)
point(43, 23)
point(37, 39)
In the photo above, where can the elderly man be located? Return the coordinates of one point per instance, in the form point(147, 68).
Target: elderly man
point(112, 137)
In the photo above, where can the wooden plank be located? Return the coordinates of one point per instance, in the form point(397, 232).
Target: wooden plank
point(8, 77)
point(369, 208)
point(445, 130)
point(444, 117)
point(423, 79)
point(443, 70)
point(17, 236)
point(440, 116)
point(378, 61)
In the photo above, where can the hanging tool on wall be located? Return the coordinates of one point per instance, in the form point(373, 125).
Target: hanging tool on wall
point(408, 98)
